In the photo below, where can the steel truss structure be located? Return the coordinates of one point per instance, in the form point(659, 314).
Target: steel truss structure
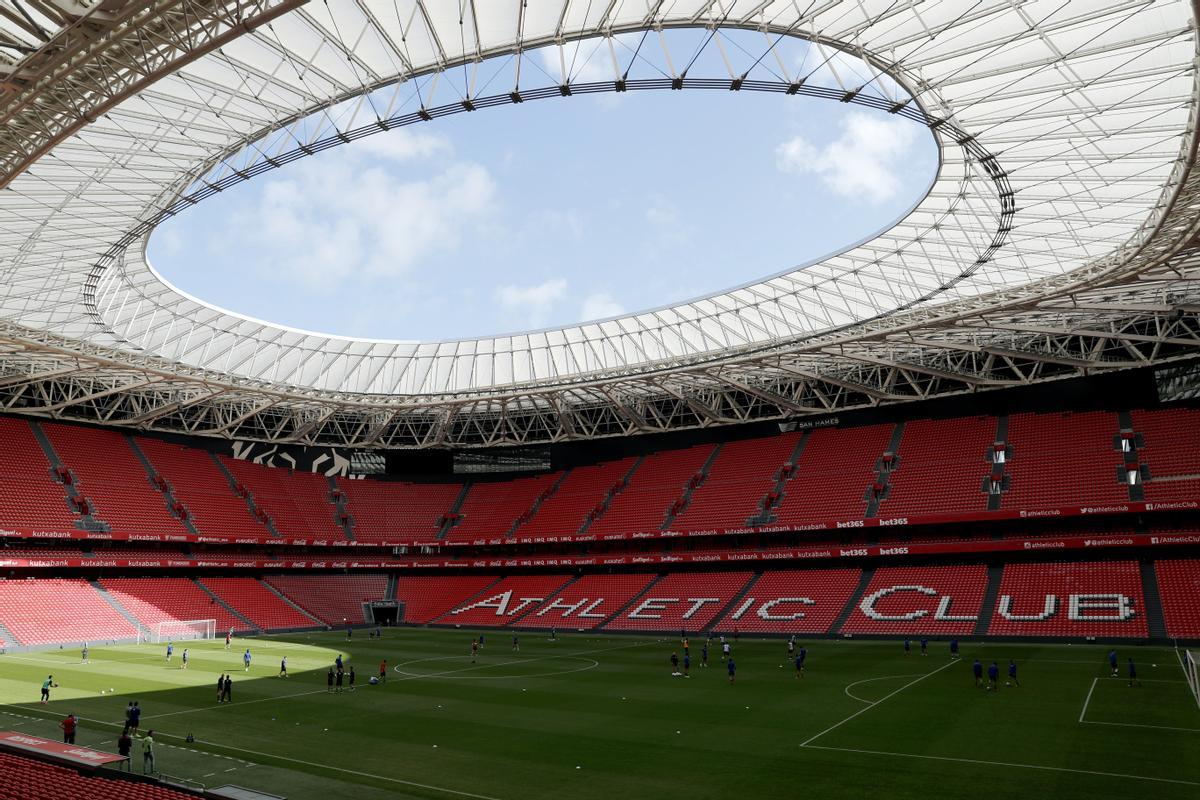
point(1058, 238)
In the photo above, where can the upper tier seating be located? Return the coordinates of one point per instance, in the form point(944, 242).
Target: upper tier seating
point(396, 511)
point(778, 602)
point(113, 480)
point(1074, 599)
point(563, 513)
point(257, 603)
point(1179, 589)
point(491, 508)
point(942, 464)
point(30, 500)
point(50, 610)
point(920, 600)
point(501, 604)
point(297, 502)
point(587, 602)
point(682, 601)
point(1170, 440)
point(156, 600)
point(202, 488)
point(659, 481)
point(427, 597)
point(27, 779)
point(1063, 460)
point(833, 474)
point(334, 599)
point(740, 477)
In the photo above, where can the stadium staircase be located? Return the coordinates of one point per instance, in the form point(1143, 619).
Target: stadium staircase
point(122, 610)
point(997, 470)
point(6, 638)
point(990, 595)
point(341, 511)
point(1155, 620)
point(393, 580)
point(453, 516)
point(537, 503)
point(843, 616)
point(237, 615)
point(616, 489)
point(1131, 462)
point(694, 483)
point(735, 602)
point(288, 601)
point(163, 486)
point(517, 621)
point(246, 495)
point(772, 499)
point(74, 498)
point(636, 598)
point(888, 462)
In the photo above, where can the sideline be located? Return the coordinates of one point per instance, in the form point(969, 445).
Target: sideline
point(837, 725)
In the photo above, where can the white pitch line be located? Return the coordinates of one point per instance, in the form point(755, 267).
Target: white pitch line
point(877, 702)
point(1088, 699)
point(868, 680)
point(1139, 725)
point(1009, 764)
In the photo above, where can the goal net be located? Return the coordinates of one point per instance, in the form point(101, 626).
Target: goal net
point(183, 630)
point(1190, 669)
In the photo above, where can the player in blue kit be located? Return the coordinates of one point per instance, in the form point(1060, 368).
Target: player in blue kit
point(246, 659)
point(687, 665)
point(977, 668)
point(1012, 673)
point(704, 655)
point(1133, 673)
point(993, 676)
point(907, 648)
point(731, 667)
point(954, 648)
point(170, 651)
point(924, 646)
point(1112, 662)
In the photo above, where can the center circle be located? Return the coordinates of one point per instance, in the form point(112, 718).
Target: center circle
point(460, 668)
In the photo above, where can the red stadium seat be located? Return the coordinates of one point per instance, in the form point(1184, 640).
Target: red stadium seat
point(920, 600)
point(1071, 599)
point(687, 602)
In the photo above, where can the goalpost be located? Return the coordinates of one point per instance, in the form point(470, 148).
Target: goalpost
point(1190, 669)
point(183, 630)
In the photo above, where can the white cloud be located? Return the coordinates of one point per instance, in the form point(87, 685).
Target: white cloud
point(862, 162)
point(403, 145)
point(532, 304)
point(600, 305)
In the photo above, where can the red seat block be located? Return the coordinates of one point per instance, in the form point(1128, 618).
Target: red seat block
point(586, 603)
point(1075, 599)
point(1179, 589)
point(685, 601)
point(506, 601)
point(792, 601)
point(920, 600)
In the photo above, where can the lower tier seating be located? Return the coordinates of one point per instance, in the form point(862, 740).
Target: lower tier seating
point(506, 601)
point(333, 599)
point(157, 600)
point(1074, 599)
point(26, 779)
point(1179, 588)
point(688, 602)
point(427, 597)
point(920, 600)
point(587, 602)
point(792, 601)
point(257, 603)
point(49, 610)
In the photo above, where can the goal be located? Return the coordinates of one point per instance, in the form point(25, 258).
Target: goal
point(1190, 669)
point(182, 630)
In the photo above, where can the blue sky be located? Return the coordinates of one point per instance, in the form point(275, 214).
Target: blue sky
point(547, 213)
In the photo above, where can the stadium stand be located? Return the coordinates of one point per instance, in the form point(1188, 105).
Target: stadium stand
point(681, 601)
point(587, 602)
point(581, 491)
point(492, 508)
point(659, 481)
point(197, 483)
point(257, 603)
point(506, 601)
point(1071, 599)
point(394, 510)
point(333, 599)
point(920, 600)
point(1179, 589)
point(942, 466)
point(155, 600)
point(833, 475)
point(297, 502)
point(427, 597)
point(792, 601)
point(27, 779)
point(1062, 460)
point(742, 474)
point(30, 500)
point(113, 480)
point(51, 610)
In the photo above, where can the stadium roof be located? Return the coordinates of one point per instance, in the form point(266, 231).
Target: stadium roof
point(1056, 239)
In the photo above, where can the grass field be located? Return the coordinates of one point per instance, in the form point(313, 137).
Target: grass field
point(601, 717)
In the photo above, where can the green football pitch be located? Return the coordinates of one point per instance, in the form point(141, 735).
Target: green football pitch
point(592, 716)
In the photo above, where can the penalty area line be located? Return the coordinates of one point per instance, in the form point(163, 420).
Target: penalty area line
point(1007, 764)
point(1088, 699)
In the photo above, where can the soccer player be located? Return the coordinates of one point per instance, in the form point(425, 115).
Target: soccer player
point(185, 659)
point(47, 685)
point(170, 651)
point(481, 638)
point(924, 646)
point(352, 677)
point(129, 714)
point(85, 653)
point(349, 629)
point(800, 659)
point(283, 667)
point(246, 659)
point(228, 688)
point(954, 648)
point(221, 688)
point(68, 729)
point(674, 664)
point(791, 648)
point(799, 668)
point(337, 681)
point(383, 671)
point(1133, 673)
point(148, 752)
point(993, 677)
point(228, 638)
point(907, 648)
point(1112, 662)
point(704, 655)
point(1012, 673)
point(554, 634)
point(687, 665)
point(135, 717)
point(686, 647)
point(124, 746)
point(329, 681)
point(474, 650)
point(337, 662)
point(516, 644)
point(731, 668)
point(725, 652)
point(977, 668)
